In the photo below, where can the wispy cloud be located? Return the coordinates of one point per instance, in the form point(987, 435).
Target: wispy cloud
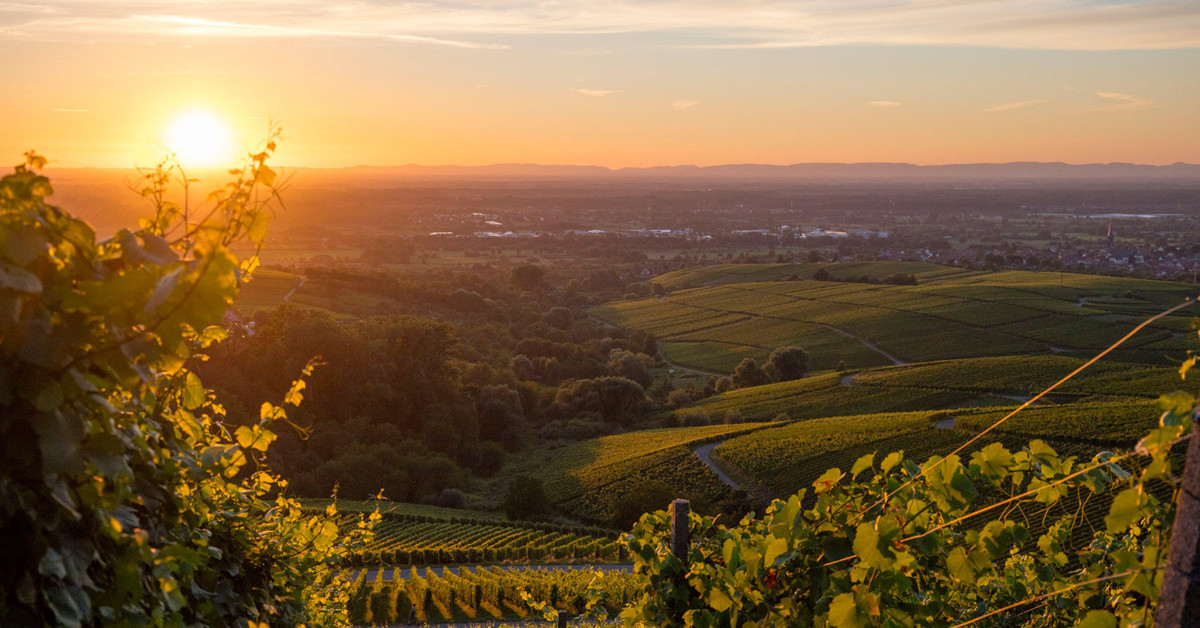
point(1009, 106)
point(1033, 24)
point(680, 105)
point(1125, 102)
point(595, 93)
point(65, 110)
point(887, 104)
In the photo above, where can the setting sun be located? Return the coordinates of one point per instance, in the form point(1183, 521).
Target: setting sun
point(199, 139)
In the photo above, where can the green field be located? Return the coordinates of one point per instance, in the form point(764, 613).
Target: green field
point(776, 457)
point(715, 315)
point(1027, 375)
point(1105, 424)
point(788, 458)
point(401, 508)
point(588, 478)
point(265, 290)
point(822, 396)
point(947, 384)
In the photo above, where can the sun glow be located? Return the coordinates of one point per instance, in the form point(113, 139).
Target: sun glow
point(200, 139)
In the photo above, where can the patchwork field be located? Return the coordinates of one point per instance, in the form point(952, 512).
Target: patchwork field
point(716, 315)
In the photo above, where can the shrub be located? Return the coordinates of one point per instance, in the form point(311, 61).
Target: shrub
point(125, 493)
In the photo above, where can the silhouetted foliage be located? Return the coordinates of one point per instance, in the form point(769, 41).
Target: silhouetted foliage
point(526, 499)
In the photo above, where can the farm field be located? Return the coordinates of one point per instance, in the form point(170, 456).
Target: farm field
point(822, 396)
point(265, 290)
point(720, 274)
point(776, 457)
point(752, 309)
point(401, 508)
point(589, 477)
point(951, 384)
point(402, 539)
point(1026, 375)
point(788, 458)
point(1104, 424)
point(482, 594)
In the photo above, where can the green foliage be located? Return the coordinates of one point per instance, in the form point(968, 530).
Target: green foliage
point(748, 374)
point(895, 542)
point(787, 363)
point(526, 498)
point(124, 498)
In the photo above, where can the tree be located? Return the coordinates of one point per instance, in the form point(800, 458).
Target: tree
point(528, 276)
point(635, 366)
point(615, 399)
point(787, 363)
point(749, 373)
point(526, 499)
point(123, 496)
point(560, 318)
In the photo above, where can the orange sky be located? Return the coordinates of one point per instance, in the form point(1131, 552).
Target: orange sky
point(635, 83)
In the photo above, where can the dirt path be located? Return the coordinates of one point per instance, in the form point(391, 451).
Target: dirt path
point(704, 453)
point(866, 344)
point(293, 290)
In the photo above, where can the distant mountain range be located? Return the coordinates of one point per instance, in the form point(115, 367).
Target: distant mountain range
point(1178, 173)
point(809, 172)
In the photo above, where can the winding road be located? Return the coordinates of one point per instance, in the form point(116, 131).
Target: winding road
point(704, 454)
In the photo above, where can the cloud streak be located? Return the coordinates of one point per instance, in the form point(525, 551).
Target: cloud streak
point(1009, 106)
point(680, 105)
point(716, 24)
point(1124, 102)
point(594, 93)
point(884, 104)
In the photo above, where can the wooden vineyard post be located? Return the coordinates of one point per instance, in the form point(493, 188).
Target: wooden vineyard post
point(679, 529)
point(562, 619)
point(1179, 601)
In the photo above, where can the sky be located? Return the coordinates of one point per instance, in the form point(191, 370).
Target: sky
point(609, 83)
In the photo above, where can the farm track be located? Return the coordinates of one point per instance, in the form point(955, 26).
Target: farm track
point(293, 290)
point(704, 453)
point(866, 344)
